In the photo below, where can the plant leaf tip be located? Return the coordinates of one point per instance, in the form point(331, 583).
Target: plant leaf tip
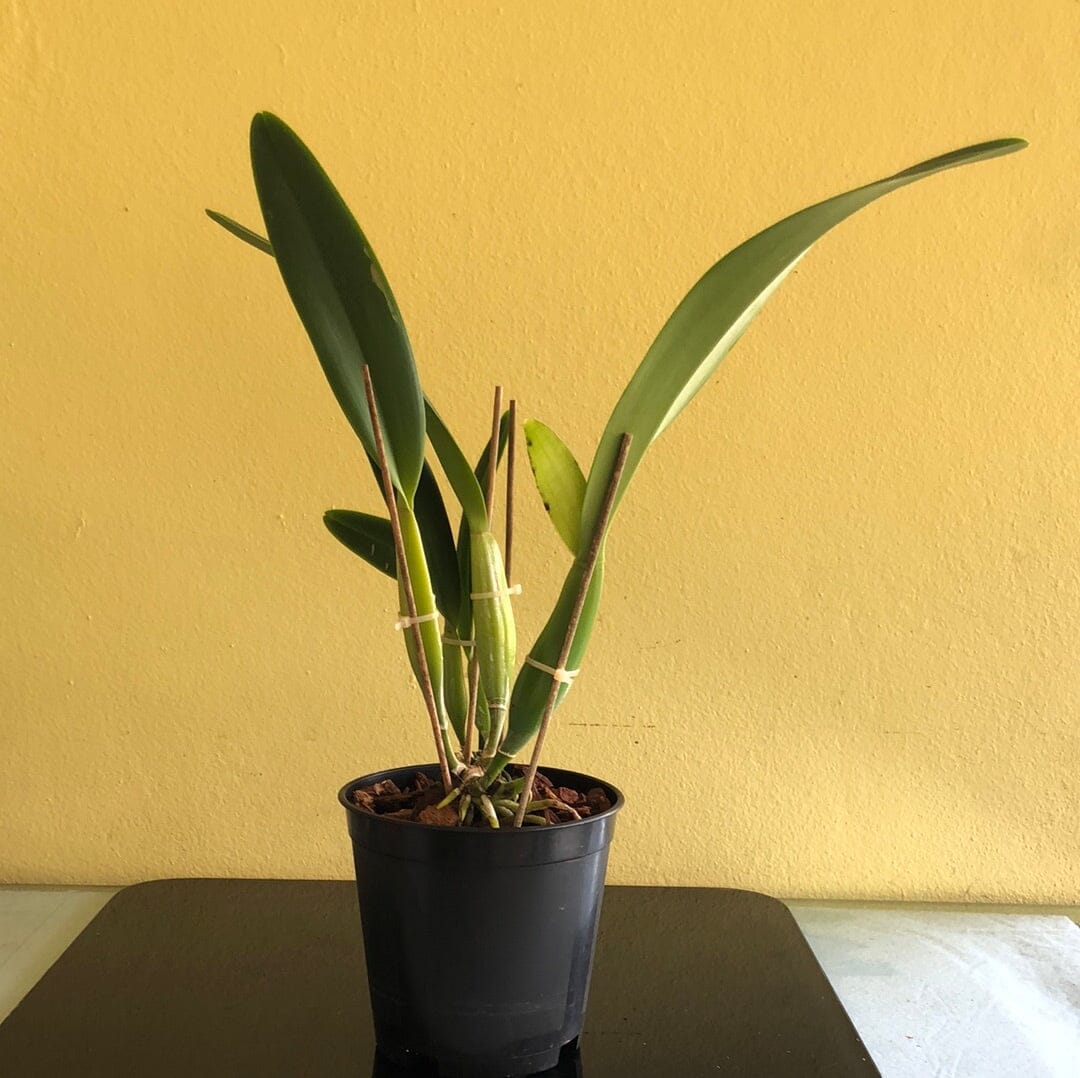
point(1010, 144)
point(265, 125)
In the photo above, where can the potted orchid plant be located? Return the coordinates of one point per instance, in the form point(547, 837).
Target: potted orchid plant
point(479, 863)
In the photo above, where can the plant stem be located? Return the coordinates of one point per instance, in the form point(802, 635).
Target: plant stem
point(489, 501)
point(455, 681)
point(424, 597)
point(571, 628)
point(403, 568)
point(493, 631)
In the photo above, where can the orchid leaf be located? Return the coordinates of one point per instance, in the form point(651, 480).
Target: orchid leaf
point(367, 536)
point(438, 538)
point(431, 515)
point(718, 309)
point(697, 336)
point(372, 539)
point(241, 232)
point(341, 295)
point(458, 471)
point(464, 620)
point(559, 480)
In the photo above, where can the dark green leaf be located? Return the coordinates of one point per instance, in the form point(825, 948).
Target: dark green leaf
point(341, 295)
point(458, 471)
point(366, 536)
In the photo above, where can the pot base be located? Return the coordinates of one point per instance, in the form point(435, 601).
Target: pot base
point(537, 1063)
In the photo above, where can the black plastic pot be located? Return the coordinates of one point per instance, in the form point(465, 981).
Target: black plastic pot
point(479, 943)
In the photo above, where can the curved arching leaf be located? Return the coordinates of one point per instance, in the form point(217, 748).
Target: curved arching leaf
point(718, 309)
point(697, 336)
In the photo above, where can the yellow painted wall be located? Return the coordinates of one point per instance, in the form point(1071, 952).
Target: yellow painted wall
point(843, 601)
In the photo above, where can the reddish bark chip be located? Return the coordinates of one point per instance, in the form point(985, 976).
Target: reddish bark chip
point(363, 798)
point(541, 784)
point(430, 795)
point(442, 817)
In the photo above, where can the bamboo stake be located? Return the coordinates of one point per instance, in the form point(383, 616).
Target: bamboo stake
point(575, 615)
point(406, 581)
point(510, 455)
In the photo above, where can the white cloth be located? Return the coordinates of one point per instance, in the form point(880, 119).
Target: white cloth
point(959, 994)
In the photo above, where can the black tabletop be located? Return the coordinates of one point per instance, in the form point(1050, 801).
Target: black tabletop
point(266, 977)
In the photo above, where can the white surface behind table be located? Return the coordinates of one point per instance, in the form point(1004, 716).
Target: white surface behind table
point(957, 994)
point(934, 994)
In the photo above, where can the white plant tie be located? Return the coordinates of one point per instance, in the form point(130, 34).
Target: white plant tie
point(559, 674)
point(407, 621)
point(515, 590)
point(453, 641)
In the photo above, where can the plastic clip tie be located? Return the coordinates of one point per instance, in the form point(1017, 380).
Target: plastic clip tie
point(515, 590)
point(558, 673)
point(407, 621)
point(453, 641)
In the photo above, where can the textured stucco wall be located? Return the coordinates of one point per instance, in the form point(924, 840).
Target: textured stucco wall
point(842, 600)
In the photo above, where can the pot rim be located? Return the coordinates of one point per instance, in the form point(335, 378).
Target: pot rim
point(615, 796)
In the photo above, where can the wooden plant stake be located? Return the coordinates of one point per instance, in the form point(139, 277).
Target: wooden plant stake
point(406, 582)
point(571, 628)
point(511, 453)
